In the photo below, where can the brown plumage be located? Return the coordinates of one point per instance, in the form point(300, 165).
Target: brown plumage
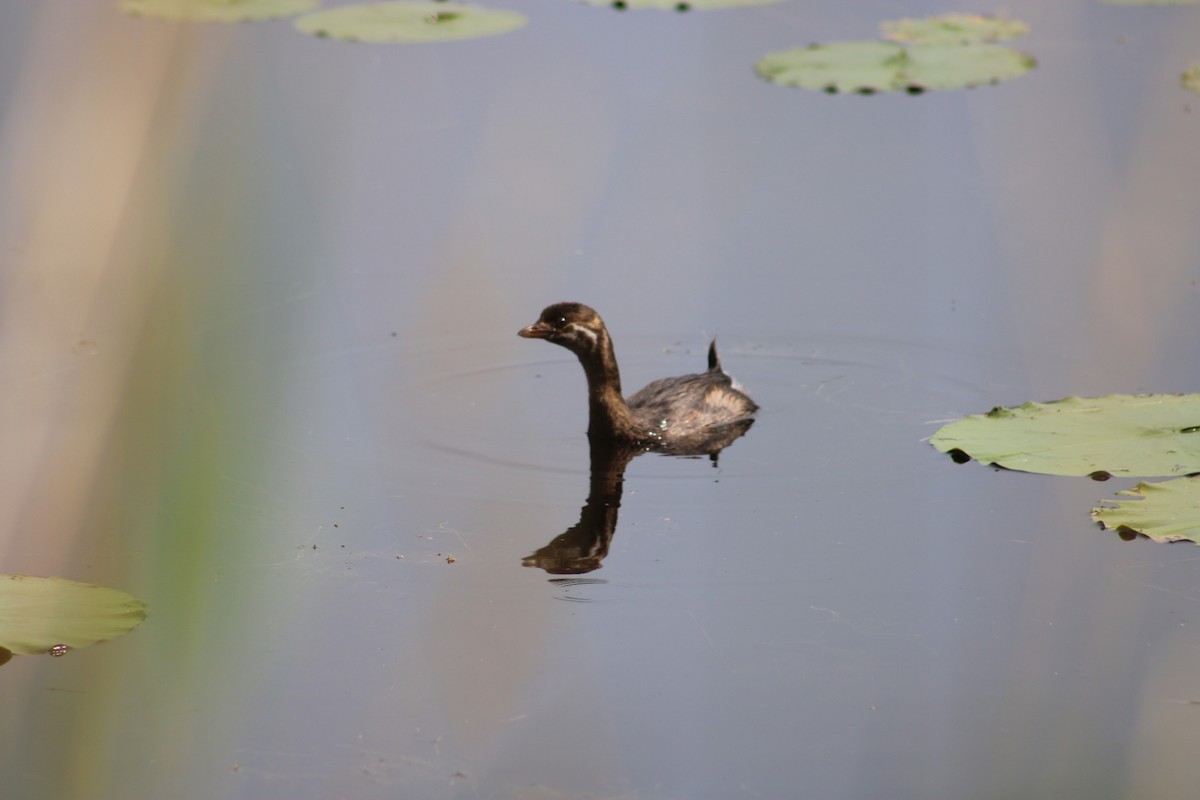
point(697, 413)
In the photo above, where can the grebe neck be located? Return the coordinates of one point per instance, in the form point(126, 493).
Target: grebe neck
point(608, 414)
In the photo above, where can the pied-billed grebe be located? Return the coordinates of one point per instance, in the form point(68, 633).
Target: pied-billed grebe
point(691, 410)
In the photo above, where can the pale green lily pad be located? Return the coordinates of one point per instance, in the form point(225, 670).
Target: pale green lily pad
point(953, 29)
point(679, 5)
point(869, 67)
point(1191, 78)
point(1166, 512)
point(1129, 435)
point(54, 615)
point(410, 22)
point(216, 10)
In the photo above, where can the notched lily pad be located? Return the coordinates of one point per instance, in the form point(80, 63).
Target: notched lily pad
point(1168, 511)
point(870, 67)
point(410, 22)
point(1191, 78)
point(216, 10)
point(679, 5)
point(953, 29)
point(54, 615)
point(1127, 435)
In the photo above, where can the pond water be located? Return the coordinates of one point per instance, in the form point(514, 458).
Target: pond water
point(259, 302)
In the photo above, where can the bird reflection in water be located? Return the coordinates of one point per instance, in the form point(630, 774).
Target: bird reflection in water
point(583, 547)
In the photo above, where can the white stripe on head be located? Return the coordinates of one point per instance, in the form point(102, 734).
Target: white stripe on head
point(578, 331)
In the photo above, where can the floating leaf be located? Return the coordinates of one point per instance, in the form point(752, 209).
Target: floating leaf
point(1191, 78)
point(1166, 512)
point(53, 615)
point(410, 22)
point(1147, 435)
point(869, 67)
point(953, 29)
point(216, 10)
point(679, 5)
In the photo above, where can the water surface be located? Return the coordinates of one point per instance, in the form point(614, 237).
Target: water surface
point(259, 304)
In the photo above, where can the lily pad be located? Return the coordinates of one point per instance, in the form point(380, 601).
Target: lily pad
point(216, 10)
point(679, 5)
point(1191, 78)
point(1129, 435)
point(1168, 511)
point(953, 29)
point(410, 22)
point(54, 615)
point(869, 67)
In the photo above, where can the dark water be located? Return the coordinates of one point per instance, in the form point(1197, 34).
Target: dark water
point(259, 304)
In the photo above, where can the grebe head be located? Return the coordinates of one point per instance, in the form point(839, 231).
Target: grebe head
point(571, 325)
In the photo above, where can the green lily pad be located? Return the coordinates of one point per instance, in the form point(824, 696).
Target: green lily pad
point(953, 29)
point(1191, 78)
point(869, 67)
point(1168, 511)
point(410, 22)
point(1129, 435)
point(216, 10)
point(679, 5)
point(54, 615)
